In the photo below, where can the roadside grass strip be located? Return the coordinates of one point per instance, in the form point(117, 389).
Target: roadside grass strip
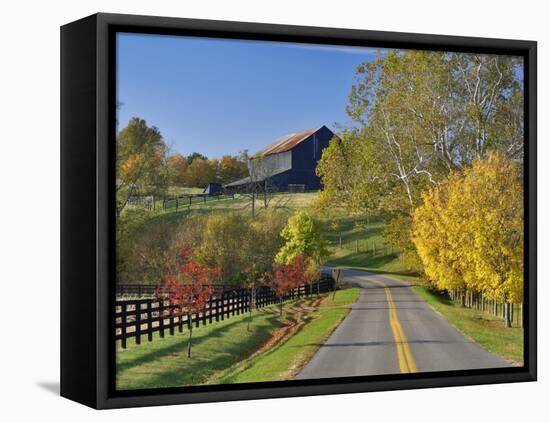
point(288, 357)
point(275, 348)
point(481, 327)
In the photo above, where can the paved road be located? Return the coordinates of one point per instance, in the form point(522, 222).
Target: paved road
point(392, 330)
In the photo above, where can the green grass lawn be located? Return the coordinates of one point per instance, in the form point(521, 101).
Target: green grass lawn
point(220, 346)
point(362, 247)
point(164, 362)
point(173, 190)
point(485, 329)
point(286, 359)
point(240, 203)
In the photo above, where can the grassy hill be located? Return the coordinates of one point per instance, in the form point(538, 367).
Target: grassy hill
point(353, 242)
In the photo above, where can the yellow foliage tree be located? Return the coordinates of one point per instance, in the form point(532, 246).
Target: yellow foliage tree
point(469, 230)
point(177, 170)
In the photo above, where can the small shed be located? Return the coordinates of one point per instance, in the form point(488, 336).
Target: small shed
point(213, 189)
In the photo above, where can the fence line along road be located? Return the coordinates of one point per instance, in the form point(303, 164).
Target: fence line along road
point(477, 301)
point(139, 318)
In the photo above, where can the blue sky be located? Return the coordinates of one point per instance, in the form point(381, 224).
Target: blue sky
point(224, 96)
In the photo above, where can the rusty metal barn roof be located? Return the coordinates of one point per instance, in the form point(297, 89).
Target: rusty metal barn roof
point(286, 143)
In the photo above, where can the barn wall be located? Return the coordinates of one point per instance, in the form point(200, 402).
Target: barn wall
point(262, 167)
point(305, 157)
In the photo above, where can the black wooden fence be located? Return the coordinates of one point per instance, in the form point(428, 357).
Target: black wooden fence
point(141, 318)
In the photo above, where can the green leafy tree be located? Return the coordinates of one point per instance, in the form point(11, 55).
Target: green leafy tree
point(348, 173)
point(221, 245)
point(194, 155)
point(303, 238)
point(236, 243)
point(140, 161)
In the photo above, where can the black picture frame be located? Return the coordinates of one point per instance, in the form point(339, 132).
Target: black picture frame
point(87, 212)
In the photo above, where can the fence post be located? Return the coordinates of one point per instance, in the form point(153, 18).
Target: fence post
point(180, 321)
point(171, 311)
point(138, 322)
point(149, 321)
point(161, 317)
point(123, 325)
point(228, 308)
point(177, 203)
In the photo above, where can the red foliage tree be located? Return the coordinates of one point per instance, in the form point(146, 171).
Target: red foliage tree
point(286, 277)
point(187, 286)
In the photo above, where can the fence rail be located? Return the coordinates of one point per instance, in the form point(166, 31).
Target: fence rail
point(186, 200)
point(141, 318)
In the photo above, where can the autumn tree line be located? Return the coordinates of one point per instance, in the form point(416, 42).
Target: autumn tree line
point(146, 167)
point(436, 150)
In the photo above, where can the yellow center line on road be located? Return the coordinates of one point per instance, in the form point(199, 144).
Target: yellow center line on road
point(404, 355)
point(401, 341)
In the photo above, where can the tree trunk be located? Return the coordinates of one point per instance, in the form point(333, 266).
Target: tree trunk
point(336, 281)
point(507, 315)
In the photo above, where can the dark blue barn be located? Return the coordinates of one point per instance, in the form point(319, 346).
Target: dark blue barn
point(290, 160)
